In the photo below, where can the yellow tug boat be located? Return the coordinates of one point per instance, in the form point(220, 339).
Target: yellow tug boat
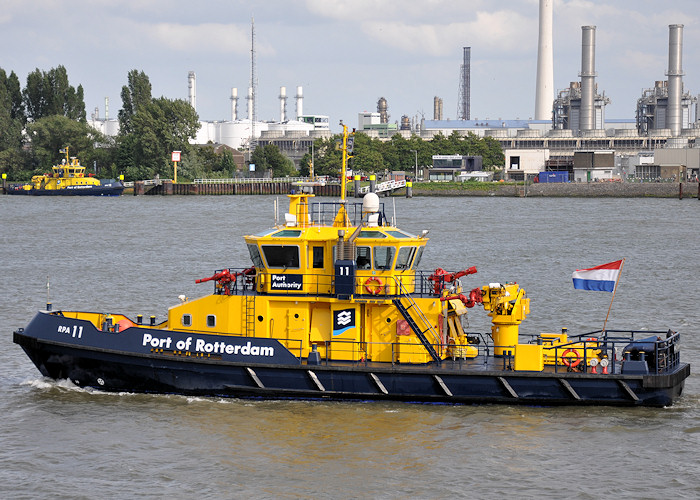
point(334, 307)
point(67, 179)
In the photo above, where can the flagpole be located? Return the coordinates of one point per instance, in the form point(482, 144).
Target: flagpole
point(613, 295)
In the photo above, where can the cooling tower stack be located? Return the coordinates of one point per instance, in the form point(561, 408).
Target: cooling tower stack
point(675, 78)
point(234, 104)
point(587, 116)
point(300, 102)
point(283, 104)
point(544, 95)
point(192, 85)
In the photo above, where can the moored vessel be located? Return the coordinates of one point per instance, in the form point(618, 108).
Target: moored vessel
point(68, 178)
point(334, 305)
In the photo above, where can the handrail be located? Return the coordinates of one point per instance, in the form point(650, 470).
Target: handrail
point(403, 294)
point(384, 186)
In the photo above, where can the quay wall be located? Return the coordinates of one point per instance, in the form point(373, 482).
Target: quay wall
point(169, 188)
point(563, 190)
point(573, 190)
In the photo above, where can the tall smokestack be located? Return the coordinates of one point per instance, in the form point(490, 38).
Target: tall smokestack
point(675, 79)
point(587, 116)
point(437, 108)
point(192, 85)
point(283, 104)
point(300, 102)
point(234, 104)
point(464, 103)
point(544, 95)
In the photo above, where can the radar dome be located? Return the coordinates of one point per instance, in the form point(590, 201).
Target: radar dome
point(370, 203)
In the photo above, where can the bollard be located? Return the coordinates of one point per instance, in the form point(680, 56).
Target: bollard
point(372, 183)
point(356, 186)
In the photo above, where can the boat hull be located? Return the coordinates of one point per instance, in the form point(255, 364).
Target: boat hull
point(106, 190)
point(127, 361)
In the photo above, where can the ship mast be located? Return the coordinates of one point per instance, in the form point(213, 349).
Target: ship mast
point(341, 218)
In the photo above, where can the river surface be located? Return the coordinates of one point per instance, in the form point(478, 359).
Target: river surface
point(135, 255)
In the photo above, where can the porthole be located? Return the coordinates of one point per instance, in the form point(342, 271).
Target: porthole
point(260, 318)
point(186, 320)
point(211, 320)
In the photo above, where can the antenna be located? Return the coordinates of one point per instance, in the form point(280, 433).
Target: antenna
point(48, 294)
point(253, 82)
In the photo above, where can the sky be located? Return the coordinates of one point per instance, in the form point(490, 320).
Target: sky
point(346, 54)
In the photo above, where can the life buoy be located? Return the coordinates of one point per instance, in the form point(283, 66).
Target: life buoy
point(568, 361)
point(374, 290)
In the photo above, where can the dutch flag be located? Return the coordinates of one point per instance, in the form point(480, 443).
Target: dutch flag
point(601, 278)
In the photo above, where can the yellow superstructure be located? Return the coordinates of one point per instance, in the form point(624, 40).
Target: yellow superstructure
point(338, 279)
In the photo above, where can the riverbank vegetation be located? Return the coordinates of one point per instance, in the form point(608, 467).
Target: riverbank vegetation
point(48, 114)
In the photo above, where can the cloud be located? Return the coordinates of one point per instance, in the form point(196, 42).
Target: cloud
point(211, 38)
point(495, 32)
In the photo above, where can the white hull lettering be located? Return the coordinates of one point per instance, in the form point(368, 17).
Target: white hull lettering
point(201, 345)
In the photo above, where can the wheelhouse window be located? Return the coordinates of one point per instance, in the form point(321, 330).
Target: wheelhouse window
point(255, 255)
point(363, 257)
point(186, 320)
point(371, 234)
point(403, 260)
point(317, 257)
point(419, 254)
point(383, 257)
point(211, 320)
point(282, 256)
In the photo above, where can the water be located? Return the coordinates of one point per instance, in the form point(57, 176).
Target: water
point(137, 254)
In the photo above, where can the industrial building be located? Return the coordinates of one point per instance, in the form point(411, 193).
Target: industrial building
point(664, 131)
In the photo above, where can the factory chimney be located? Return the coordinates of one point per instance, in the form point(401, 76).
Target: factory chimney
point(300, 103)
point(675, 79)
point(587, 116)
point(283, 104)
point(437, 108)
point(234, 104)
point(192, 85)
point(544, 95)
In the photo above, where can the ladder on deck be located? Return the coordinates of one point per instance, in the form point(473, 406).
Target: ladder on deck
point(418, 330)
point(250, 314)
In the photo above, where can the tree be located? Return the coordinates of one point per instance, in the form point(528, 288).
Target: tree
point(48, 94)
point(227, 164)
point(366, 154)
point(11, 112)
point(52, 133)
point(159, 128)
point(327, 158)
point(269, 157)
point(135, 95)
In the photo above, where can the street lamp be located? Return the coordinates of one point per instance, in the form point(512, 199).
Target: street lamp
point(416, 153)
